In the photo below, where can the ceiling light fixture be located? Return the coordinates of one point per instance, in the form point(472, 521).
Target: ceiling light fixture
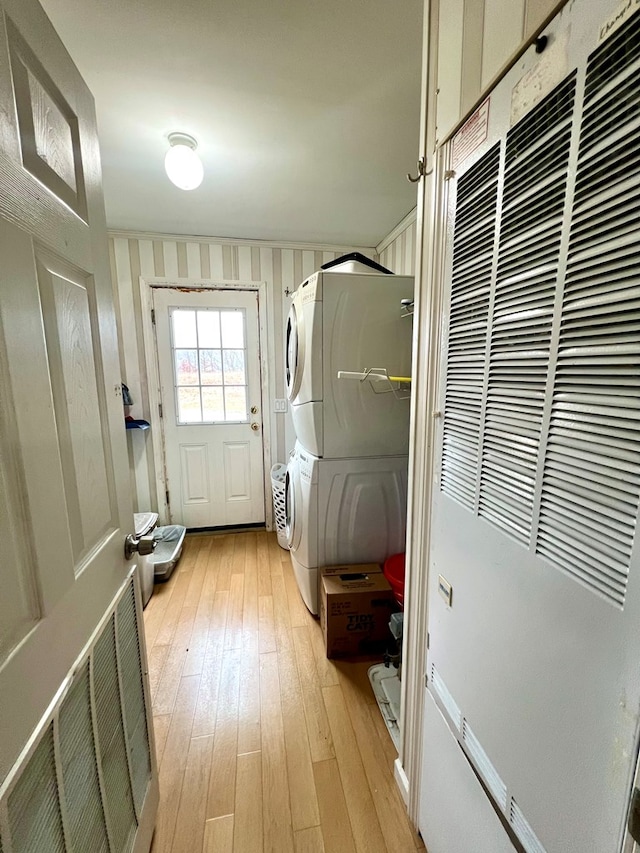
point(182, 164)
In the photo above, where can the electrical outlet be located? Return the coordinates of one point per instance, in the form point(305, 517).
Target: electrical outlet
point(280, 405)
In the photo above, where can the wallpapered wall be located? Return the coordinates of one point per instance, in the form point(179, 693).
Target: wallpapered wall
point(136, 255)
point(397, 252)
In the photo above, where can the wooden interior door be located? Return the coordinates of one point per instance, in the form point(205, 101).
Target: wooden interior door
point(209, 367)
point(76, 746)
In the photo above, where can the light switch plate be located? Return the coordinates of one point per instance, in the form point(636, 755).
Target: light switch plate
point(280, 405)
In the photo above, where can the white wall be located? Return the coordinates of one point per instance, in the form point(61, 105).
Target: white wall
point(476, 40)
point(134, 255)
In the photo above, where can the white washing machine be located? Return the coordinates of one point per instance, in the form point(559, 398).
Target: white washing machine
point(343, 511)
point(348, 321)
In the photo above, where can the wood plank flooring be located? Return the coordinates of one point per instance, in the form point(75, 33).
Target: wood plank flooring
point(264, 746)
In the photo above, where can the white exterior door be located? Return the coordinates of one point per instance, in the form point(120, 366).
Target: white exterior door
point(76, 755)
point(209, 366)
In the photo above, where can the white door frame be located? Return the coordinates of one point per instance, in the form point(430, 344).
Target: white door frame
point(153, 377)
point(424, 394)
point(427, 345)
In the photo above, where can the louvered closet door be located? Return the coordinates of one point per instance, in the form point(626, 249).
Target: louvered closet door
point(76, 750)
point(535, 663)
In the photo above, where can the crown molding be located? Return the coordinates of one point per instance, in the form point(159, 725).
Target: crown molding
point(240, 241)
point(408, 220)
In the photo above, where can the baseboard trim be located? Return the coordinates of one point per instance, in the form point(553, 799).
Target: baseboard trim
point(401, 780)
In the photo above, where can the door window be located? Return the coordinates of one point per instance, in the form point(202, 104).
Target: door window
point(209, 365)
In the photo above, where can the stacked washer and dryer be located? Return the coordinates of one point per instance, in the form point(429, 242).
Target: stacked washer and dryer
point(346, 483)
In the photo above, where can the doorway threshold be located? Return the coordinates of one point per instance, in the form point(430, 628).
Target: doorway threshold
point(228, 528)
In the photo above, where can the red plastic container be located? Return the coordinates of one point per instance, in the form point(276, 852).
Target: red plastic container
point(394, 572)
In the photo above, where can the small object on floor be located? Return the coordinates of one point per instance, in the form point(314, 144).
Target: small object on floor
point(395, 626)
point(386, 688)
point(355, 604)
point(278, 477)
point(170, 539)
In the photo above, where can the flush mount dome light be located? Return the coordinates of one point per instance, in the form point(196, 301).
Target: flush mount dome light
point(182, 164)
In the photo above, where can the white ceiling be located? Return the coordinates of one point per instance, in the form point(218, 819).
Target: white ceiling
point(306, 112)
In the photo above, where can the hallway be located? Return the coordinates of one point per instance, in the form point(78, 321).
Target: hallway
point(262, 743)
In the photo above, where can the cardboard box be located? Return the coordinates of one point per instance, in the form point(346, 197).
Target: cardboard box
point(356, 603)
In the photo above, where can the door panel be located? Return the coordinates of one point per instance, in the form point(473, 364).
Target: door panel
point(65, 506)
point(195, 471)
point(47, 125)
point(208, 345)
point(19, 603)
point(70, 345)
point(237, 468)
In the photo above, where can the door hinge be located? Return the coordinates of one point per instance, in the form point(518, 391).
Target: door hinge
point(426, 680)
point(428, 639)
point(634, 816)
point(166, 496)
point(153, 316)
point(160, 410)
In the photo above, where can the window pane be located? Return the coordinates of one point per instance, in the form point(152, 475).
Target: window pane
point(187, 367)
point(232, 329)
point(189, 411)
point(209, 329)
point(212, 404)
point(235, 398)
point(184, 328)
point(210, 367)
point(233, 361)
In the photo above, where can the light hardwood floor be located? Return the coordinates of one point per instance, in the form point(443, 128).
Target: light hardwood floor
point(264, 746)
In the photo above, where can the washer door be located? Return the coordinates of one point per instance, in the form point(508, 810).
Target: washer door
point(294, 349)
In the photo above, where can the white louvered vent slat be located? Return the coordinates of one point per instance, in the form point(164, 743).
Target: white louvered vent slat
point(441, 690)
point(537, 153)
point(35, 820)
point(83, 800)
point(591, 483)
point(483, 765)
point(522, 829)
point(113, 750)
point(133, 697)
point(473, 244)
point(85, 747)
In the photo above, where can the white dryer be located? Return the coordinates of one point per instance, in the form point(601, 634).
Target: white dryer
point(343, 511)
point(341, 321)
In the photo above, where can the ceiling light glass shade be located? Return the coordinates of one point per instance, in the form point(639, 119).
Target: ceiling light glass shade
point(182, 164)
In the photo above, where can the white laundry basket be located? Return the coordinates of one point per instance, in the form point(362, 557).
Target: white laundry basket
point(278, 474)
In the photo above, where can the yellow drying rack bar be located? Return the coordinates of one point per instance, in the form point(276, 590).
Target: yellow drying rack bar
point(396, 385)
point(374, 374)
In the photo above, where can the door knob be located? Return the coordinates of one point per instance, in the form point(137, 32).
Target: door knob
point(255, 427)
point(142, 545)
point(254, 410)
